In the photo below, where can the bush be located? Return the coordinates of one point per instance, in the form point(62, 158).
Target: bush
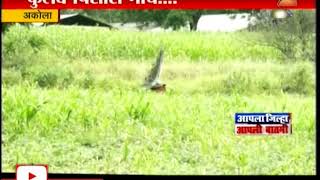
point(10, 77)
point(237, 82)
point(66, 78)
point(46, 79)
point(139, 110)
point(37, 42)
point(299, 81)
point(5, 27)
point(51, 77)
point(20, 46)
point(16, 55)
point(87, 80)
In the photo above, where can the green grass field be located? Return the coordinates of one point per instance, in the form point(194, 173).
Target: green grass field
point(73, 98)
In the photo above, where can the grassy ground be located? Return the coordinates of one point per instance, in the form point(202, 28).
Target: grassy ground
point(76, 103)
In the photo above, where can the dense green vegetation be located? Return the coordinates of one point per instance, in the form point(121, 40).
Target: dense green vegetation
point(73, 98)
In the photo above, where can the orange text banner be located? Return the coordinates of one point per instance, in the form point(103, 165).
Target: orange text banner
point(30, 15)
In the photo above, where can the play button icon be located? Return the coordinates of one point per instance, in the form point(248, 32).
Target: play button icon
point(32, 172)
point(31, 176)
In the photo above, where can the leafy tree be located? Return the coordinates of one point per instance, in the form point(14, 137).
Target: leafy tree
point(293, 36)
point(176, 19)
